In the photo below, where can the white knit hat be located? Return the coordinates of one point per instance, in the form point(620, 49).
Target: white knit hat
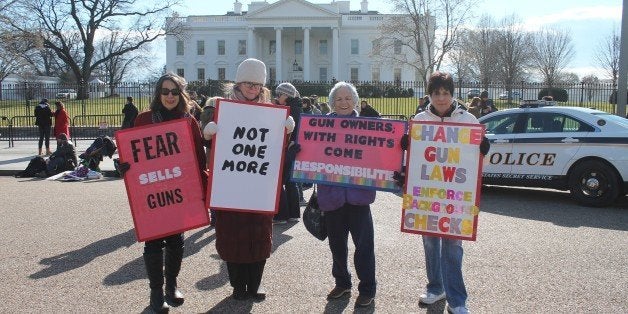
point(251, 70)
point(286, 89)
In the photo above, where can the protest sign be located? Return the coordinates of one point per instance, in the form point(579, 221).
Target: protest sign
point(349, 151)
point(443, 180)
point(163, 184)
point(247, 157)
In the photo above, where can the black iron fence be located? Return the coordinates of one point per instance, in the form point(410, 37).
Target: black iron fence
point(100, 112)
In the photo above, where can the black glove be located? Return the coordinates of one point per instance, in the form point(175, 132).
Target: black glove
point(293, 150)
point(121, 167)
point(484, 146)
point(405, 140)
point(400, 178)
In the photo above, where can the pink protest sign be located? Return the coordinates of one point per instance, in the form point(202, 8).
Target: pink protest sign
point(362, 152)
point(163, 184)
point(443, 180)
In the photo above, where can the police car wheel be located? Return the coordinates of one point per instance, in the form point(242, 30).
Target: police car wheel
point(594, 183)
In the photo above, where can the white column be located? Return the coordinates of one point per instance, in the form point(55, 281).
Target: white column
point(251, 45)
point(334, 55)
point(278, 60)
point(306, 54)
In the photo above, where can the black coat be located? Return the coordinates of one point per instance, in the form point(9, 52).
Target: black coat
point(43, 115)
point(369, 111)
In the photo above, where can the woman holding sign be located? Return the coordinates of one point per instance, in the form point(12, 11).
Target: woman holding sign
point(170, 101)
point(443, 256)
point(348, 210)
point(244, 240)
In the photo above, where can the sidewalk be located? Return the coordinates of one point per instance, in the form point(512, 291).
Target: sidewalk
point(14, 159)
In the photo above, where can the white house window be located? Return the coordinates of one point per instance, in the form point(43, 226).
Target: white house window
point(355, 44)
point(241, 47)
point(298, 47)
point(180, 72)
point(397, 46)
point(354, 74)
point(272, 74)
point(200, 74)
point(200, 47)
point(397, 75)
point(221, 74)
point(376, 46)
point(221, 47)
point(322, 47)
point(272, 47)
point(322, 74)
point(180, 48)
point(375, 75)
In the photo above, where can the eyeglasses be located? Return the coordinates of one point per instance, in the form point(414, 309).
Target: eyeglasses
point(251, 85)
point(174, 92)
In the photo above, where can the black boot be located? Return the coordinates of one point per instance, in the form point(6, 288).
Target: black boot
point(174, 256)
point(155, 270)
point(237, 279)
point(254, 279)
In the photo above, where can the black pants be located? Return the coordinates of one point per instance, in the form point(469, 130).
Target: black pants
point(245, 277)
point(44, 134)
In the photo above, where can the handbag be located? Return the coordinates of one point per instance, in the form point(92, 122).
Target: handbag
point(314, 218)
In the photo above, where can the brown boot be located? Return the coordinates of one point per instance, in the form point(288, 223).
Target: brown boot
point(40, 151)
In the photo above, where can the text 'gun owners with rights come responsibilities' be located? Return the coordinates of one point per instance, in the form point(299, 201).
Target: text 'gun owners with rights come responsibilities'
point(164, 184)
point(349, 151)
point(442, 191)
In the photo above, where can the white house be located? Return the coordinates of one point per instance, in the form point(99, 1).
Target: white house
point(318, 42)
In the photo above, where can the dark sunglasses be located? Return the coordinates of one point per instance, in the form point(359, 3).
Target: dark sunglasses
point(251, 85)
point(174, 92)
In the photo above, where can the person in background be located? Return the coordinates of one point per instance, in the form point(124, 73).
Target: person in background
point(244, 240)
point(195, 109)
point(348, 211)
point(474, 107)
point(486, 105)
point(443, 256)
point(289, 209)
point(170, 102)
point(325, 109)
point(62, 120)
point(367, 111)
point(64, 158)
point(130, 113)
point(43, 121)
point(209, 107)
point(423, 102)
point(308, 108)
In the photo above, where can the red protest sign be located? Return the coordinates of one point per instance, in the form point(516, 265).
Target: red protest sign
point(246, 159)
point(349, 151)
point(443, 180)
point(163, 184)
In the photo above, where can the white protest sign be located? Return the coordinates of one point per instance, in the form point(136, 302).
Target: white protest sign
point(247, 157)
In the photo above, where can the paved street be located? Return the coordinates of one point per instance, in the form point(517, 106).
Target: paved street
point(70, 247)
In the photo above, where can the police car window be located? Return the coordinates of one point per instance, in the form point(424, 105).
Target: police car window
point(501, 124)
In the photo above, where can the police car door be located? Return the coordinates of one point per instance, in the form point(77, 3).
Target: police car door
point(500, 131)
point(545, 146)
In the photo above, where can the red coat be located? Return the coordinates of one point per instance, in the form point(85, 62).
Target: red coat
point(62, 123)
point(243, 237)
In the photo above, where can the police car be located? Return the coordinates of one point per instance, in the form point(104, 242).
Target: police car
point(581, 150)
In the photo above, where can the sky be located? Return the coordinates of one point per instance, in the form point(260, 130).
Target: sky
point(590, 22)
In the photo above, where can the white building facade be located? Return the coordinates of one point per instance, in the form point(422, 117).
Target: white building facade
point(296, 39)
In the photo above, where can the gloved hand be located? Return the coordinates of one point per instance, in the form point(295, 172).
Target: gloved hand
point(293, 150)
point(121, 167)
point(400, 178)
point(405, 140)
point(289, 124)
point(209, 130)
point(485, 146)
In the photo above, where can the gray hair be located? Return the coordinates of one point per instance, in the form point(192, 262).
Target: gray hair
point(339, 85)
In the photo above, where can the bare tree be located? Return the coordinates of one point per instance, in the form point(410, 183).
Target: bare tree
point(513, 51)
point(607, 55)
point(70, 28)
point(589, 83)
point(551, 53)
point(481, 44)
point(427, 29)
point(115, 69)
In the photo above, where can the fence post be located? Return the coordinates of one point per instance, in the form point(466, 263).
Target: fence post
point(82, 85)
point(581, 92)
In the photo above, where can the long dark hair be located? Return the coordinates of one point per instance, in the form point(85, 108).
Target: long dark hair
point(184, 99)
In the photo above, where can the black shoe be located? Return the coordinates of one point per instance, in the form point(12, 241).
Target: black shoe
point(258, 296)
point(174, 297)
point(363, 301)
point(157, 302)
point(239, 295)
point(338, 292)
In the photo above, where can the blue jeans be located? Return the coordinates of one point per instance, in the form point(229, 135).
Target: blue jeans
point(358, 221)
point(443, 263)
